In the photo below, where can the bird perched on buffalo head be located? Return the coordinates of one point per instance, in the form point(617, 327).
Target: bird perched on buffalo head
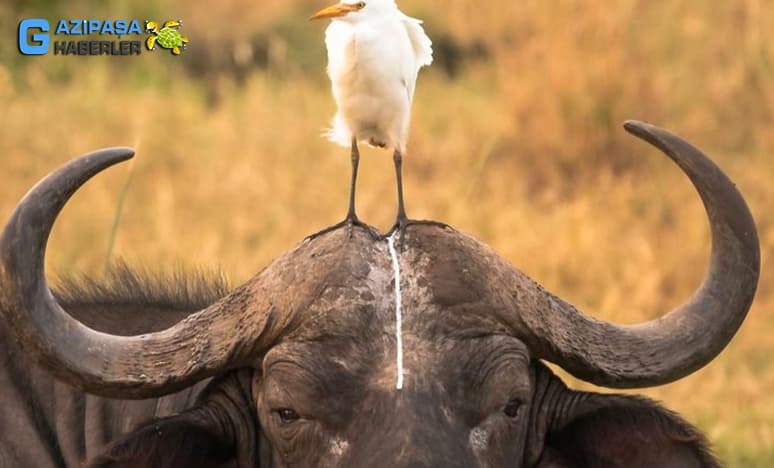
point(374, 55)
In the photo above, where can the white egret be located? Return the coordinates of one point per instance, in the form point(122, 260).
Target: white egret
point(374, 55)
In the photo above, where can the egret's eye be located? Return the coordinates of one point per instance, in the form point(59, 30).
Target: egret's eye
point(360, 5)
point(513, 408)
point(287, 415)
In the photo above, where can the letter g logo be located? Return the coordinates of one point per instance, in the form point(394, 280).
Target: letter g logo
point(39, 43)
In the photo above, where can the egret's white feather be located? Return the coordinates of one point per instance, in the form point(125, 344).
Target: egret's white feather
point(374, 56)
point(423, 46)
point(339, 132)
point(423, 51)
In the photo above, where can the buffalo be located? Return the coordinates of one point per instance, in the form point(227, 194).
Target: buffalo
point(351, 352)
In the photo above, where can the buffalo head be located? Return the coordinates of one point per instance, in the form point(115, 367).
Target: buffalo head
point(307, 354)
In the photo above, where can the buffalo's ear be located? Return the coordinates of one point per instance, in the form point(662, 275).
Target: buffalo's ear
point(220, 431)
point(572, 429)
point(614, 431)
point(174, 442)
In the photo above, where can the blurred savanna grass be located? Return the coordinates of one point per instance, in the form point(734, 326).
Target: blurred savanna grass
point(516, 139)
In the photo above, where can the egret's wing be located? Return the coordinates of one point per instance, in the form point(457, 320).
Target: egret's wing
point(423, 52)
point(423, 46)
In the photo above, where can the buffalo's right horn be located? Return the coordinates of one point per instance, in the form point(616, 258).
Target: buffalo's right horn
point(217, 338)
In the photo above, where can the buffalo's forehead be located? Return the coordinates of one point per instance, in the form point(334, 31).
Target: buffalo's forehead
point(347, 306)
point(334, 284)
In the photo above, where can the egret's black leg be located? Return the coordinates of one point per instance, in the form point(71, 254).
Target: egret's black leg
point(402, 220)
point(351, 215)
point(351, 220)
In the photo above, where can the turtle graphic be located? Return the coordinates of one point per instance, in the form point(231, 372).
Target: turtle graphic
point(168, 36)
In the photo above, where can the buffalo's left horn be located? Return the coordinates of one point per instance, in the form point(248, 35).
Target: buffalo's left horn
point(682, 341)
point(212, 340)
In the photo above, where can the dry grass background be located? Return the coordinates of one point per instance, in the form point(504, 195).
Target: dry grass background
point(523, 149)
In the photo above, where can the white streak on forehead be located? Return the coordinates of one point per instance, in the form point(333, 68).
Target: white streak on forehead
point(398, 311)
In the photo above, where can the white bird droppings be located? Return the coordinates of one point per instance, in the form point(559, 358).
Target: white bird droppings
point(339, 447)
point(479, 439)
point(398, 311)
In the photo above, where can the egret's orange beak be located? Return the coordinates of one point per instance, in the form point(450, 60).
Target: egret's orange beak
point(334, 11)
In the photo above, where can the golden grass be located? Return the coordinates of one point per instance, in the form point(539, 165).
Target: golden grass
point(525, 151)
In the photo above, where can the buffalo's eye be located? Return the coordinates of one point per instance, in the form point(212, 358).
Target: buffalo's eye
point(287, 415)
point(513, 408)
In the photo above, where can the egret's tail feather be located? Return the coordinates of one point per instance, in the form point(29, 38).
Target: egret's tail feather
point(339, 132)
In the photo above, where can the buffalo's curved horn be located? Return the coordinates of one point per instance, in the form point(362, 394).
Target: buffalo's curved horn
point(687, 338)
point(209, 341)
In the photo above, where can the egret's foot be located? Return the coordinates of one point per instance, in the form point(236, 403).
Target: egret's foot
point(400, 227)
point(402, 223)
point(350, 222)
